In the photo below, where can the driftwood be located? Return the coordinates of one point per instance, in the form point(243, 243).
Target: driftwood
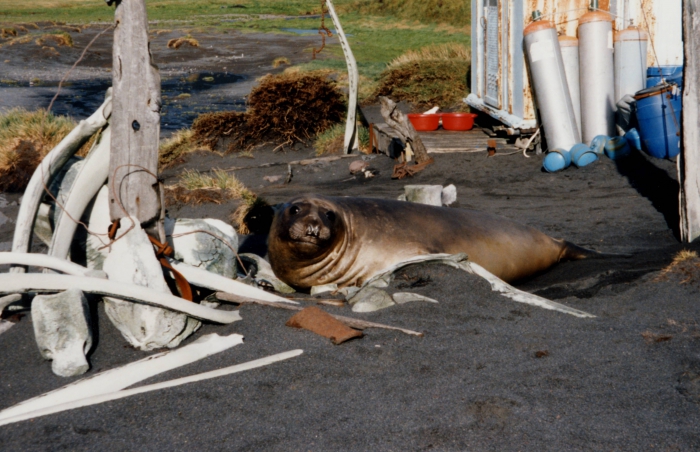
point(136, 118)
point(349, 321)
point(303, 162)
point(689, 159)
point(403, 127)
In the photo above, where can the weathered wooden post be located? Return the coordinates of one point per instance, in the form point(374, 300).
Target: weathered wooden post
point(689, 159)
point(135, 118)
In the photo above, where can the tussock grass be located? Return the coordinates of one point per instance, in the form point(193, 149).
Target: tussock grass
point(685, 265)
point(181, 143)
point(279, 61)
point(176, 43)
point(433, 75)
point(199, 188)
point(25, 138)
point(332, 140)
point(60, 38)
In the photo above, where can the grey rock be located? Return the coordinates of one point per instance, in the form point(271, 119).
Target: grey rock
point(62, 331)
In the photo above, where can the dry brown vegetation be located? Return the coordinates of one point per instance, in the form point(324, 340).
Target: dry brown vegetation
point(197, 188)
point(176, 43)
point(25, 138)
point(181, 143)
point(434, 75)
point(283, 109)
point(685, 266)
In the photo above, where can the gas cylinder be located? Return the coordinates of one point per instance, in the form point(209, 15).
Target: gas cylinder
point(569, 54)
point(549, 83)
point(630, 61)
point(596, 74)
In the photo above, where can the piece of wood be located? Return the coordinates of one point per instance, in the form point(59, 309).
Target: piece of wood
point(349, 321)
point(403, 127)
point(135, 119)
point(689, 159)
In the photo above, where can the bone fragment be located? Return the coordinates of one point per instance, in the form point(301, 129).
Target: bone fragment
point(349, 321)
point(50, 165)
point(370, 299)
point(207, 243)
point(203, 278)
point(14, 283)
point(424, 194)
point(131, 260)
point(264, 273)
point(54, 263)
point(406, 297)
point(62, 331)
point(112, 381)
point(88, 182)
point(8, 300)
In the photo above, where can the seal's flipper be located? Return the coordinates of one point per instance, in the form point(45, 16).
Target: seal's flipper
point(573, 252)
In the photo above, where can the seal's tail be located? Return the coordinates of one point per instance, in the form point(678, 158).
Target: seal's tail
point(572, 252)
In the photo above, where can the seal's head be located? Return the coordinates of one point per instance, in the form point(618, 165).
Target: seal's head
point(306, 227)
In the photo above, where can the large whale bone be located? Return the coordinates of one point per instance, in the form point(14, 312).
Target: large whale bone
point(41, 282)
point(153, 387)
point(50, 262)
point(117, 379)
point(47, 169)
point(462, 262)
point(90, 179)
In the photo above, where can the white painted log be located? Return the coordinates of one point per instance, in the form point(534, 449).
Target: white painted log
point(62, 331)
point(689, 159)
point(41, 282)
point(153, 387)
point(131, 260)
point(136, 118)
point(113, 380)
point(54, 263)
point(351, 141)
point(87, 184)
point(50, 165)
point(209, 280)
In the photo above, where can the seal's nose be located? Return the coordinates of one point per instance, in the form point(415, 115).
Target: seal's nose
point(313, 230)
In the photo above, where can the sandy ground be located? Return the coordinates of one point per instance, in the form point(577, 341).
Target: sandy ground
point(490, 373)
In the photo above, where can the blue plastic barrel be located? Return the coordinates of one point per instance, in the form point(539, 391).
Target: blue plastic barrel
point(658, 112)
point(672, 74)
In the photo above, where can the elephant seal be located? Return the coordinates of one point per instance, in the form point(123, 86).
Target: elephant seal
point(316, 240)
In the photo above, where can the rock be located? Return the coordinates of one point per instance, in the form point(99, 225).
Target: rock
point(424, 194)
point(132, 261)
point(62, 331)
point(449, 195)
point(273, 179)
point(358, 166)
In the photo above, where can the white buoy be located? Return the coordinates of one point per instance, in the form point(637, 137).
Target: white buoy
point(569, 54)
point(550, 85)
point(596, 74)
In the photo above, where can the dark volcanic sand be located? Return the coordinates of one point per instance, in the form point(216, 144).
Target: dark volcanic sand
point(490, 373)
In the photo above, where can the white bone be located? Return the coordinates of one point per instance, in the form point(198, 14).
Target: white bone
point(49, 166)
point(117, 379)
point(62, 331)
point(351, 139)
point(54, 263)
point(209, 280)
point(41, 282)
point(153, 387)
point(90, 179)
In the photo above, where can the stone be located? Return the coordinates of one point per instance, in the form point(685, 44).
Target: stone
point(424, 194)
point(358, 166)
point(62, 331)
point(131, 260)
point(449, 195)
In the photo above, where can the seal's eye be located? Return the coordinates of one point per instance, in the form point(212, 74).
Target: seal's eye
point(294, 210)
point(331, 216)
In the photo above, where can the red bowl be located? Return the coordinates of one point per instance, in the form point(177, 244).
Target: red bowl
point(458, 121)
point(424, 122)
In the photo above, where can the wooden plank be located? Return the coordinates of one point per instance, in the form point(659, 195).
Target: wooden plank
point(135, 117)
point(689, 160)
point(400, 123)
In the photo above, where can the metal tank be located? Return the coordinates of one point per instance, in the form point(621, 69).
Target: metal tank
point(569, 54)
point(630, 61)
point(596, 74)
point(550, 85)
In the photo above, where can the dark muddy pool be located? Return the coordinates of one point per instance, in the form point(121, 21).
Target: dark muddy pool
point(184, 97)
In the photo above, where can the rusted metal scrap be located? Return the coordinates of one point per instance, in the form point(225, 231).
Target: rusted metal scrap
point(404, 169)
point(320, 322)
